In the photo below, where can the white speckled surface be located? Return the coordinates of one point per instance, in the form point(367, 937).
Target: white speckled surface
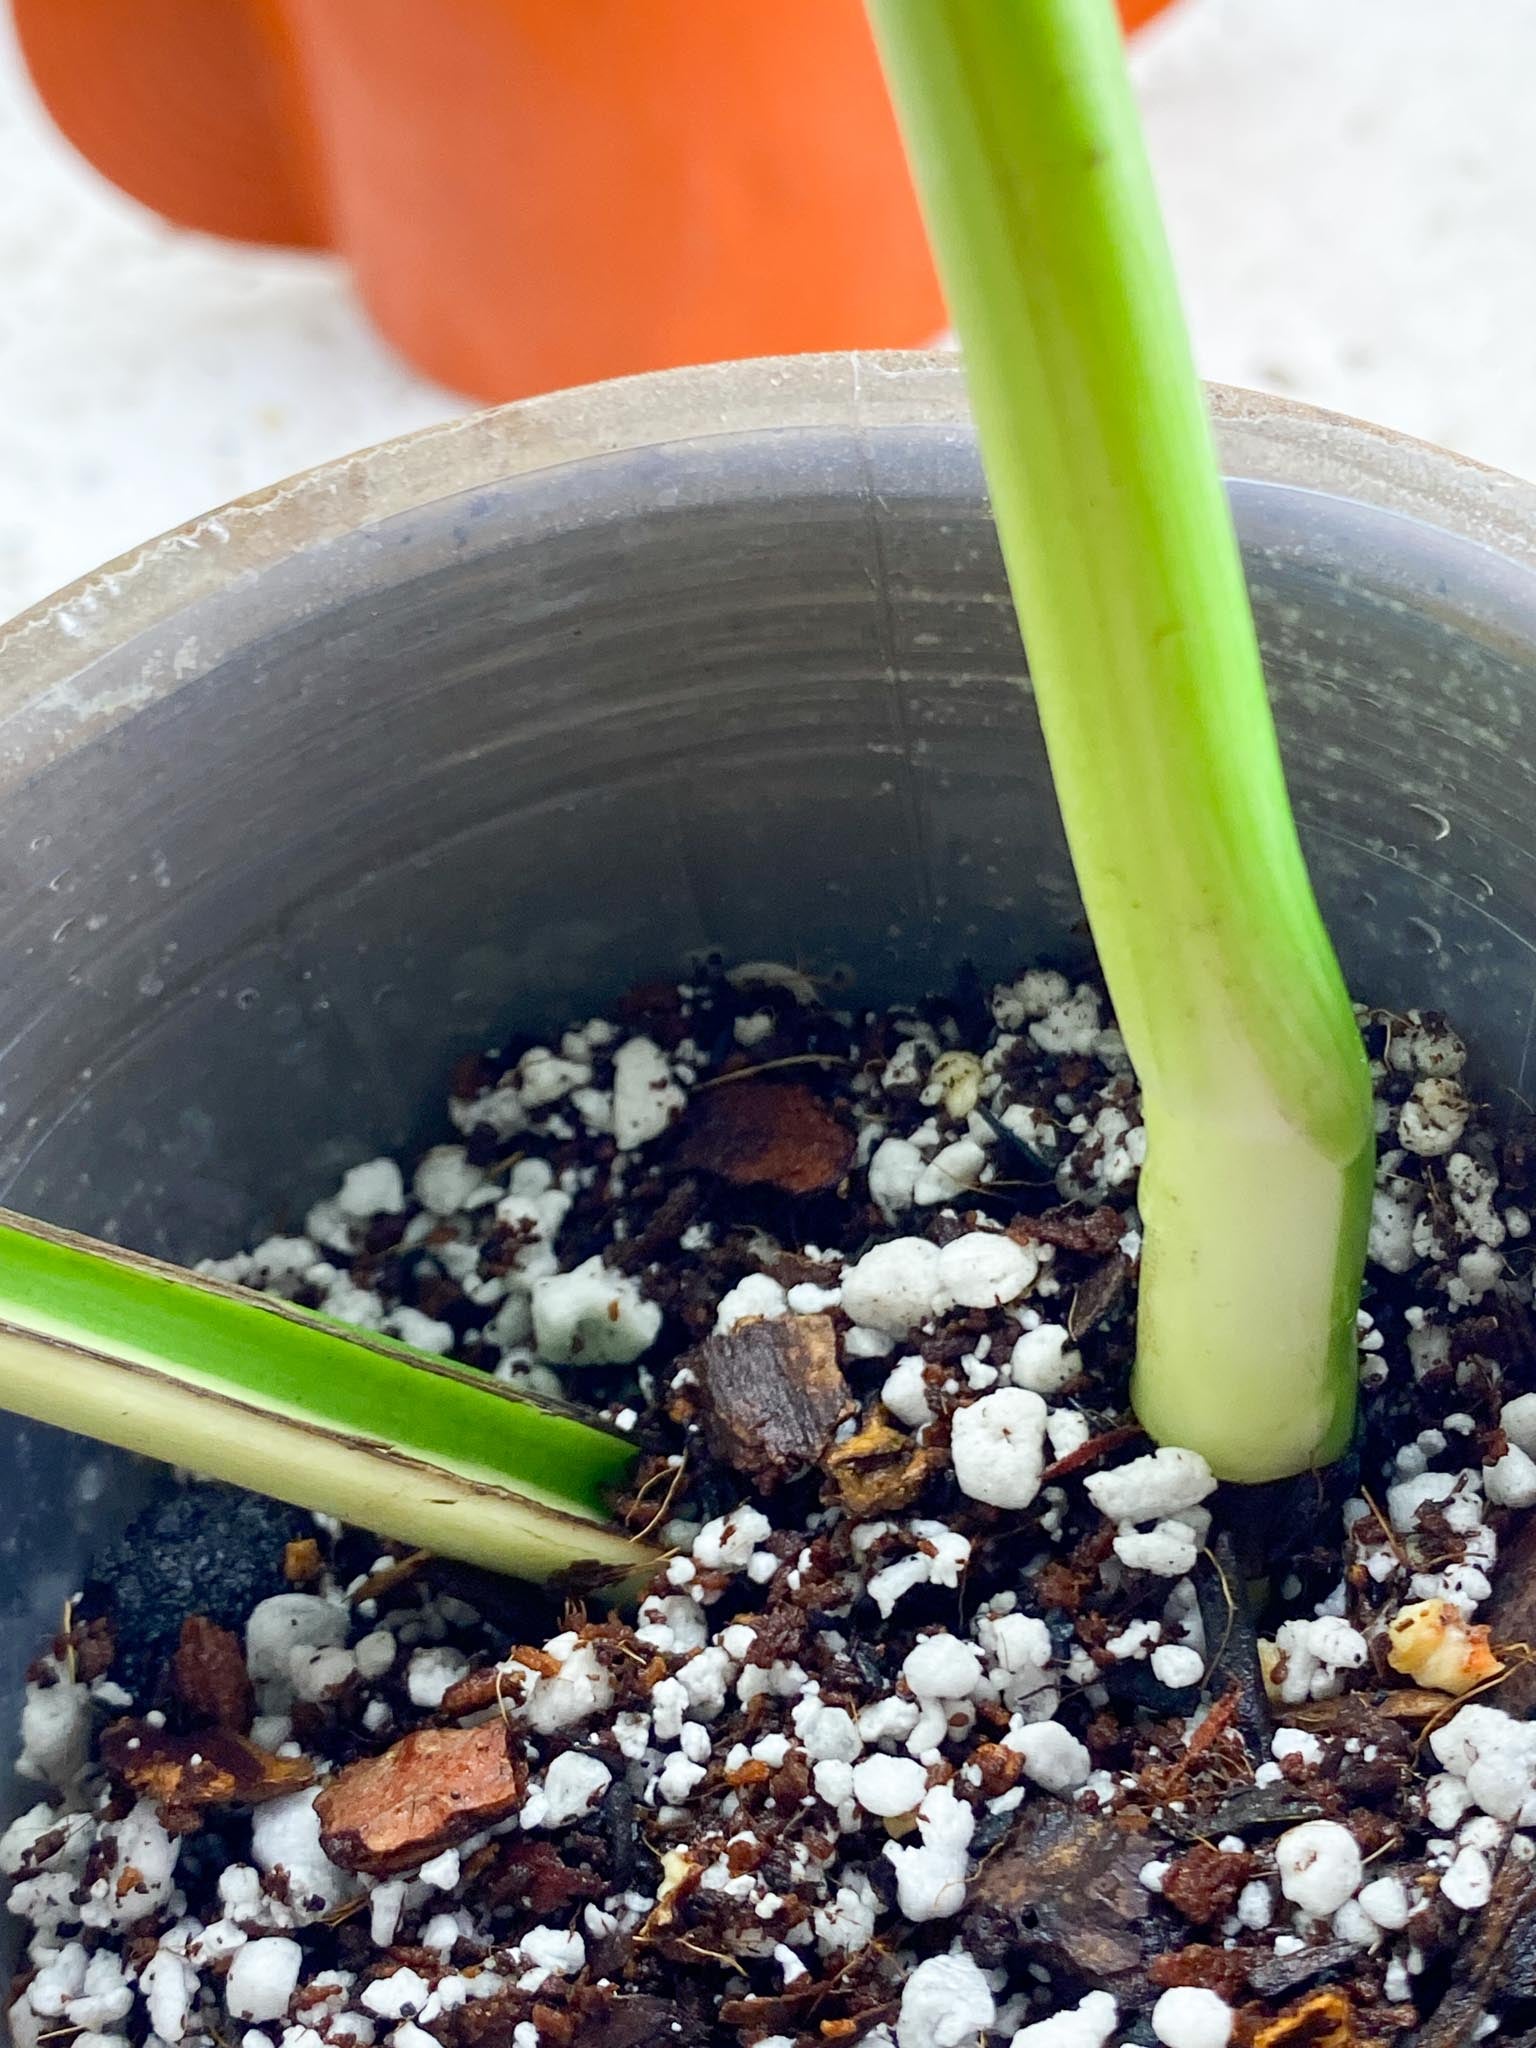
point(1351, 196)
point(147, 374)
point(1351, 193)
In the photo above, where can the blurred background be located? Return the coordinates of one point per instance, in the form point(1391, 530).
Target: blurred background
point(1351, 193)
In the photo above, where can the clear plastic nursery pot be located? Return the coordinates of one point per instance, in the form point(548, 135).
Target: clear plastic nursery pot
point(471, 729)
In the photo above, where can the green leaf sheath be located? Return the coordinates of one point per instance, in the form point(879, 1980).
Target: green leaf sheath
point(248, 1388)
point(1022, 131)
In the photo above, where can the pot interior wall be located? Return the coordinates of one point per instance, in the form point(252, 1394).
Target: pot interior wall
point(483, 764)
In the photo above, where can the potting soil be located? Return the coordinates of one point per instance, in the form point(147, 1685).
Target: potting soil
point(955, 1711)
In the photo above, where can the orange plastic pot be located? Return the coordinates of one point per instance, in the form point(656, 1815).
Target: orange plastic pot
point(532, 193)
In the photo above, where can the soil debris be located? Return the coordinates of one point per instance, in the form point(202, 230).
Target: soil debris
point(1204, 1883)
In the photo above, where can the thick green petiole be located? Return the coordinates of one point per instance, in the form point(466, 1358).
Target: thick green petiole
point(1120, 549)
point(247, 1388)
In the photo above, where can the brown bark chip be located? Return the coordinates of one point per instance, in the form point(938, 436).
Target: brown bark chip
point(431, 1790)
point(302, 1562)
point(208, 1675)
point(1324, 2019)
point(1064, 1890)
point(1481, 1969)
point(186, 1774)
point(881, 1470)
point(772, 1394)
point(1000, 1768)
point(1511, 1616)
point(767, 1134)
point(473, 1693)
point(1098, 1294)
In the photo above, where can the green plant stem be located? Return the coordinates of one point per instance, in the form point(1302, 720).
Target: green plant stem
point(248, 1388)
point(1023, 135)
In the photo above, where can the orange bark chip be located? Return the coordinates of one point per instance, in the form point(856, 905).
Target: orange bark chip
point(430, 1791)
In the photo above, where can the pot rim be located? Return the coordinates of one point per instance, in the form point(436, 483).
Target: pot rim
point(1260, 439)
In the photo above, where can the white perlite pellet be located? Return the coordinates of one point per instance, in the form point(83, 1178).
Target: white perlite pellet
point(1468, 1883)
point(1088, 2024)
point(942, 1667)
point(1319, 1865)
point(1495, 1757)
point(889, 1786)
point(1189, 2016)
point(1151, 1488)
point(1177, 1665)
point(984, 1269)
point(263, 1978)
point(286, 1622)
point(646, 1097)
point(997, 1446)
point(945, 2003)
point(1053, 1756)
point(1043, 1359)
point(930, 1879)
point(572, 1786)
point(592, 1316)
point(892, 1288)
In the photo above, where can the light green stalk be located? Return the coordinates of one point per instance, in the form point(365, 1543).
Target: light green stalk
point(248, 1388)
point(1023, 135)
